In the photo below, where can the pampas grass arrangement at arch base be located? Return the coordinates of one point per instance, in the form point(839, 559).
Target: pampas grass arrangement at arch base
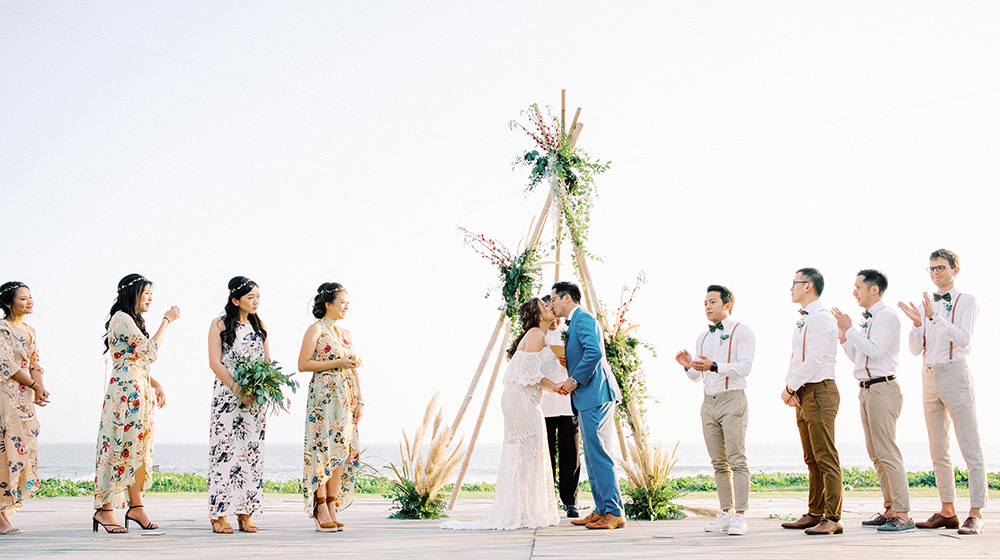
point(416, 491)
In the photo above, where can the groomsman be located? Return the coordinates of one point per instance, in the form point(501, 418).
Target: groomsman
point(811, 388)
point(874, 349)
point(942, 332)
point(561, 425)
point(725, 355)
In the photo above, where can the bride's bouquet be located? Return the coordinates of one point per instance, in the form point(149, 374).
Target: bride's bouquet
point(263, 381)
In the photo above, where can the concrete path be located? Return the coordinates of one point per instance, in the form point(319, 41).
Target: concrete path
point(60, 527)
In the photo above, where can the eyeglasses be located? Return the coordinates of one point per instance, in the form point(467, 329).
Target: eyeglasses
point(938, 268)
point(794, 282)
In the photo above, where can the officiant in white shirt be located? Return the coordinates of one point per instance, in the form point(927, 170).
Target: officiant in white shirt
point(563, 432)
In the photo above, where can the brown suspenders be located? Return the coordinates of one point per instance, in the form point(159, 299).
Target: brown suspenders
point(951, 345)
point(729, 355)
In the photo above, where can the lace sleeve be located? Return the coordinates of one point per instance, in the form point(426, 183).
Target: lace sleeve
point(549, 364)
point(526, 368)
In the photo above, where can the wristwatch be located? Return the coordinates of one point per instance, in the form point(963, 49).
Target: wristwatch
point(715, 367)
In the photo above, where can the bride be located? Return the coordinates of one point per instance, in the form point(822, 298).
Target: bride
point(525, 494)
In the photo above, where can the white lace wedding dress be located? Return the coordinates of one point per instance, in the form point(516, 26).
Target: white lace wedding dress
point(525, 494)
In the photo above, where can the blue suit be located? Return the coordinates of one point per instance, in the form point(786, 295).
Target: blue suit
point(594, 399)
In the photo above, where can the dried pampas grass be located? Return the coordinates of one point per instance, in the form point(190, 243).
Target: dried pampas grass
point(425, 474)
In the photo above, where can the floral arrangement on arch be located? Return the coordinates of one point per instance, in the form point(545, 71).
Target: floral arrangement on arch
point(621, 349)
point(568, 168)
point(519, 273)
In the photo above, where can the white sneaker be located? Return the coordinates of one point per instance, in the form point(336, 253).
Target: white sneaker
point(738, 526)
point(720, 524)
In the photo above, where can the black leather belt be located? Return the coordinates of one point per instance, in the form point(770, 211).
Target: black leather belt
point(870, 382)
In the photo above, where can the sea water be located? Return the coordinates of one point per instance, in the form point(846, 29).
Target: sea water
point(283, 461)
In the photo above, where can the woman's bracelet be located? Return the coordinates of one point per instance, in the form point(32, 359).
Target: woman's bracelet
point(232, 386)
point(165, 319)
point(361, 401)
point(32, 386)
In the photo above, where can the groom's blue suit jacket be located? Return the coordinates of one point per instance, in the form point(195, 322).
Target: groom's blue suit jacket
point(586, 363)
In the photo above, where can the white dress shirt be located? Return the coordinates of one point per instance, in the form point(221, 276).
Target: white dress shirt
point(554, 404)
point(874, 348)
point(948, 336)
point(732, 349)
point(814, 347)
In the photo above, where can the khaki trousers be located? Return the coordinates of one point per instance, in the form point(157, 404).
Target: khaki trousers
point(949, 394)
point(881, 404)
point(817, 417)
point(724, 423)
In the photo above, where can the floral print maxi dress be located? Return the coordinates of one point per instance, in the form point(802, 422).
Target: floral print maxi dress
point(331, 434)
point(18, 423)
point(125, 438)
point(236, 438)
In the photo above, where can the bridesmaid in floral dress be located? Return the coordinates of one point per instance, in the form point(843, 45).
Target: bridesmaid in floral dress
point(332, 455)
point(236, 433)
point(125, 438)
point(20, 390)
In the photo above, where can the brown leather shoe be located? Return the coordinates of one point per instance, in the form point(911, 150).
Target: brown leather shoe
point(937, 521)
point(609, 521)
point(591, 518)
point(826, 527)
point(972, 526)
point(806, 521)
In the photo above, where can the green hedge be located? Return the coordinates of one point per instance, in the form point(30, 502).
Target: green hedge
point(379, 485)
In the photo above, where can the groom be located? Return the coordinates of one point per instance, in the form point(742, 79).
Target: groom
point(594, 392)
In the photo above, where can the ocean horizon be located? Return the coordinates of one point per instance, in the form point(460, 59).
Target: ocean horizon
point(283, 461)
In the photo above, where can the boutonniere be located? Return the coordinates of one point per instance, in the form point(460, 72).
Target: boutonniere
point(948, 307)
point(864, 325)
point(724, 337)
point(800, 324)
point(564, 336)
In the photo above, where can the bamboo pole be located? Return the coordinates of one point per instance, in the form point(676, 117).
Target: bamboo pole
point(479, 421)
point(621, 439)
point(540, 224)
point(576, 118)
point(575, 134)
point(562, 113)
point(479, 372)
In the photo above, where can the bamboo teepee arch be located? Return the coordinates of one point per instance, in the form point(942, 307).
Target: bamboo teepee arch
point(592, 303)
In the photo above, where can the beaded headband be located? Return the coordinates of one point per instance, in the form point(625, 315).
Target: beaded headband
point(332, 290)
point(13, 286)
point(139, 279)
point(245, 283)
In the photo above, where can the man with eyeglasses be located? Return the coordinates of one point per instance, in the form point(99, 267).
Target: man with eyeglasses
point(942, 332)
point(874, 349)
point(811, 388)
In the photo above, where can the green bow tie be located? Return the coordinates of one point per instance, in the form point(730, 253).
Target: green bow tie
point(939, 297)
point(716, 327)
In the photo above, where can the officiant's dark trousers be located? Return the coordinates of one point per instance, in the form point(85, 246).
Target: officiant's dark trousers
point(564, 436)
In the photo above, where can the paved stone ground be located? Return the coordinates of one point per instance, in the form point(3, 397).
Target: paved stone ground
point(60, 527)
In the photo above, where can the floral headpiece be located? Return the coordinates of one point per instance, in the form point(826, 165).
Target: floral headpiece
point(244, 284)
point(13, 286)
point(139, 279)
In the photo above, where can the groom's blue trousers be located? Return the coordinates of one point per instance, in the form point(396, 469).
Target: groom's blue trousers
point(597, 429)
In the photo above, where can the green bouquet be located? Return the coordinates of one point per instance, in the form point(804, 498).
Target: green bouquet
point(263, 381)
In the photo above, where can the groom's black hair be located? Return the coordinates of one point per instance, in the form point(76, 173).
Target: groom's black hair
point(563, 288)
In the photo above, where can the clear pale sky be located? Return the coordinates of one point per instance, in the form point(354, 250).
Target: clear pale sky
point(304, 142)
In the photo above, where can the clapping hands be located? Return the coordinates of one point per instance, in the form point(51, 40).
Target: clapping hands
point(702, 363)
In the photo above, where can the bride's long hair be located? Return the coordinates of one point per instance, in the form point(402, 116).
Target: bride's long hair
point(530, 316)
